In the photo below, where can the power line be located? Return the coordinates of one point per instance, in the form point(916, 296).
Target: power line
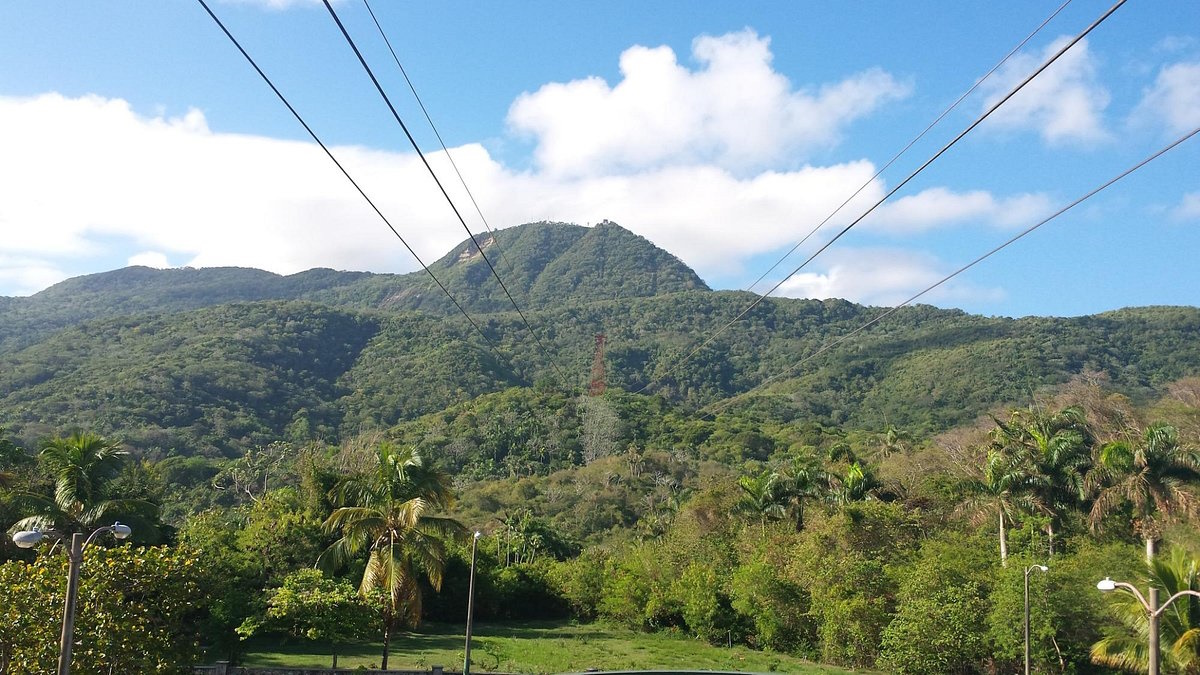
point(830, 345)
point(911, 143)
point(715, 334)
point(378, 87)
point(428, 118)
point(353, 182)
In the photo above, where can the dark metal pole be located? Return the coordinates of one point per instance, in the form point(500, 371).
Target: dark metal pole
point(470, 607)
point(75, 556)
point(1153, 617)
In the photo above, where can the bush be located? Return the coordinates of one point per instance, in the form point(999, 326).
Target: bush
point(134, 612)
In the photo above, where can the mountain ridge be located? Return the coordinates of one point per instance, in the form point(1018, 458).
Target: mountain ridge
point(216, 361)
point(138, 289)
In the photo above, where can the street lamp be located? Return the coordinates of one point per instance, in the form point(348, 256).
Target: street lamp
point(1027, 571)
point(29, 539)
point(470, 605)
point(1153, 611)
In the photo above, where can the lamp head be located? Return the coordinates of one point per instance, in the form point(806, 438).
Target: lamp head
point(121, 531)
point(1043, 568)
point(28, 538)
point(478, 534)
point(1107, 585)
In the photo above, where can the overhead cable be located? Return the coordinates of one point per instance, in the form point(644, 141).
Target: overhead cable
point(378, 87)
point(429, 119)
point(449, 156)
point(892, 310)
point(911, 143)
point(995, 106)
point(353, 182)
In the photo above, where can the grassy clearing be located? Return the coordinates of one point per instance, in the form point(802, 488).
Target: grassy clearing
point(537, 647)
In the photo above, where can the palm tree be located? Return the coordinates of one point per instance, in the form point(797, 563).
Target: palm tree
point(1002, 494)
point(82, 464)
point(1055, 449)
point(893, 440)
point(1179, 625)
point(762, 497)
point(389, 514)
point(1151, 476)
point(804, 479)
point(857, 484)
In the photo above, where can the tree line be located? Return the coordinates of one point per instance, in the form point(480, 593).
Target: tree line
point(867, 549)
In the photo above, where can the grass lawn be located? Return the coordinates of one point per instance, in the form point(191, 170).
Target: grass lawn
point(535, 647)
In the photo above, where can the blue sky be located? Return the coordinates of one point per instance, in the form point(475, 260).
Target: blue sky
point(134, 133)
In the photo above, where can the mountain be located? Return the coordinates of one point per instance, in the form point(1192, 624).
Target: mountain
point(136, 290)
point(215, 361)
point(544, 264)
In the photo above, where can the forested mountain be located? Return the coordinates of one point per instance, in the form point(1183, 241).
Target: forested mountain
point(542, 264)
point(863, 498)
point(546, 265)
point(215, 361)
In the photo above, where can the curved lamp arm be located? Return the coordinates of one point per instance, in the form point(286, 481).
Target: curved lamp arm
point(1173, 598)
point(118, 529)
point(1109, 585)
point(31, 538)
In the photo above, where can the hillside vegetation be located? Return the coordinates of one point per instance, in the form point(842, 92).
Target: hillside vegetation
point(872, 505)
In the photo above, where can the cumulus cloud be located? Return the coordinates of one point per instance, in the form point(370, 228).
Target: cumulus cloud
point(26, 275)
point(84, 176)
point(80, 172)
point(1065, 103)
point(1173, 102)
point(734, 111)
point(937, 207)
point(886, 277)
point(149, 259)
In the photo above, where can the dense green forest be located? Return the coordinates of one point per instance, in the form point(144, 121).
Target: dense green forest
point(875, 507)
point(215, 362)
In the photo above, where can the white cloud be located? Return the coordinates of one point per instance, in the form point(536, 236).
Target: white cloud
point(883, 277)
point(937, 207)
point(734, 111)
point(1065, 103)
point(84, 177)
point(149, 259)
point(1188, 209)
point(27, 275)
point(1174, 100)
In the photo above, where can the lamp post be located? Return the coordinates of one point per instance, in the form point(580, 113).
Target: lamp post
point(470, 605)
point(1153, 611)
point(1027, 571)
point(29, 539)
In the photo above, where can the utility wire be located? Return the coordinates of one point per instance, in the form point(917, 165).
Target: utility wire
point(462, 181)
point(830, 345)
point(911, 143)
point(433, 174)
point(429, 119)
point(353, 182)
point(896, 189)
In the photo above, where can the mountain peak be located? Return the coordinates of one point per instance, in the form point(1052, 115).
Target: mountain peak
point(549, 263)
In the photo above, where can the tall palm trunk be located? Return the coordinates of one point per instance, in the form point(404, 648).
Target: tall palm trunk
point(1050, 537)
point(387, 637)
point(1003, 542)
